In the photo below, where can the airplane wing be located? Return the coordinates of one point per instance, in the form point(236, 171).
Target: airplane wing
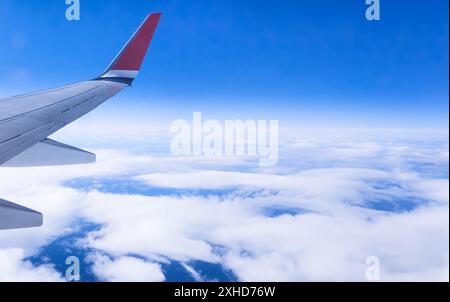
point(26, 121)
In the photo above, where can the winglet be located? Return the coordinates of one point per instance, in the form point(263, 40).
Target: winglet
point(128, 62)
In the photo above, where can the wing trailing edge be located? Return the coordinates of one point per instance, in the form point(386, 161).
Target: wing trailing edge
point(14, 216)
point(51, 153)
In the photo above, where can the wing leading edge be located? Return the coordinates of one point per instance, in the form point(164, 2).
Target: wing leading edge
point(27, 121)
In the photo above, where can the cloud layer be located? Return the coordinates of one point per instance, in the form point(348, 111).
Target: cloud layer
point(328, 206)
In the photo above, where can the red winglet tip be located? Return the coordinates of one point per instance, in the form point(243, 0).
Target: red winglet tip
point(134, 52)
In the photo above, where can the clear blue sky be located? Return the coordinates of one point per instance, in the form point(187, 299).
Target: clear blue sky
point(299, 60)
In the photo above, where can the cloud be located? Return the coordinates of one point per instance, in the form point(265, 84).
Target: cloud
point(345, 199)
point(126, 269)
point(319, 248)
point(14, 269)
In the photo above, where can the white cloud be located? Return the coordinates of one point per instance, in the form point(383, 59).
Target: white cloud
point(332, 182)
point(126, 269)
point(14, 269)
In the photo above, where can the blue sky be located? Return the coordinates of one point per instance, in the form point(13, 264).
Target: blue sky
point(315, 63)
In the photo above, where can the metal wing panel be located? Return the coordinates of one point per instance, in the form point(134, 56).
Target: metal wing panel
point(29, 119)
point(51, 153)
point(14, 216)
